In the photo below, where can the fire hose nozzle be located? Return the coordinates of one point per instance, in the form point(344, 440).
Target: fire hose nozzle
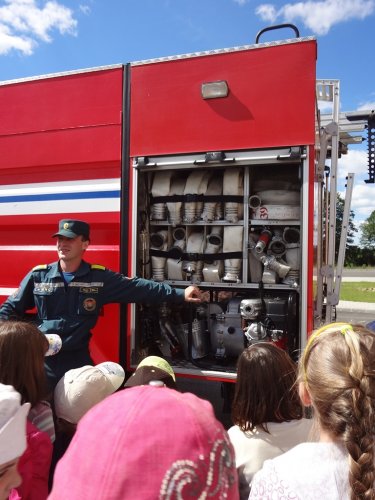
point(277, 246)
point(263, 241)
point(273, 264)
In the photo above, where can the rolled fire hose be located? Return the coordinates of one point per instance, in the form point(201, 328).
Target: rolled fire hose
point(255, 201)
point(202, 189)
point(279, 197)
point(174, 266)
point(195, 244)
point(160, 187)
point(179, 234)
point(213, 271)
point(291, 235)
point(175, 208)
point(233, 237)
point(233, 185)
point(214, 240)
point(158, 241)
point(215, 187)
point(292, 255)
point(191, 187)
point(255, 265)
point(219, 213)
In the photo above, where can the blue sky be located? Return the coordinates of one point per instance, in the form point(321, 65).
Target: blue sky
point(41, 37)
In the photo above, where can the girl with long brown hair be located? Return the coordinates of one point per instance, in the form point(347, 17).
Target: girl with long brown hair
point(22, 350)
point(266, 409)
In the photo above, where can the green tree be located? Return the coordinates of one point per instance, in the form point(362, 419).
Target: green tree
point(351, 227)
point(368, 231)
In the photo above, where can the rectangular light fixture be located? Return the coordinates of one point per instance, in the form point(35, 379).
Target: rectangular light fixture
point(214, 90)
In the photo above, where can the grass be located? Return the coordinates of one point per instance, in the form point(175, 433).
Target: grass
point(361, 291)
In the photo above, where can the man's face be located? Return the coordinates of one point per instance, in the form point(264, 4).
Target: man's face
point(70, 249)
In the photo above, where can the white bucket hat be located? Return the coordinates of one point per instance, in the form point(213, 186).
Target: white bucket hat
point(12, 424)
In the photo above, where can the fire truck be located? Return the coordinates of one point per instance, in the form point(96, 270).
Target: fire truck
point(205, 168)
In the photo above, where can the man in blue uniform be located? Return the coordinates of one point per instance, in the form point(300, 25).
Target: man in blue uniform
point(69, 294)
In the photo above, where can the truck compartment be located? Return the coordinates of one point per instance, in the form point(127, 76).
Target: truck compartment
point(228, 222)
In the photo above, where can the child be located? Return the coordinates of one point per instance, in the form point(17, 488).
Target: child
point(13, 416)
point(22, 351)
point(76, 392)
point(82, 388)
point(337, 379)
point(153, 369)
point(266, 410)
point(148, 442)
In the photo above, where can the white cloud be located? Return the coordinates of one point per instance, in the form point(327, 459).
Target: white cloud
point(325, 107)
point(363, 201)
point(367, 105)
point(85, 9)
point(318, 16)
point(355, 161)
point(267, 12)
point(241, 2)
point(362, 204)
point(10, 41)
point(23, 23)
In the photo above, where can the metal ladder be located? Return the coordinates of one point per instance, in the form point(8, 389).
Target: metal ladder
point(334, 131)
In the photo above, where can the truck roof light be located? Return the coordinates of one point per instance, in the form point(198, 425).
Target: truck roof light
point(214, 90)
point(214, 156)
point(142, 161)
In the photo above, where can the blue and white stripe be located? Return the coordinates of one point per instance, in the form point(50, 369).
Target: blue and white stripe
point(97, 195)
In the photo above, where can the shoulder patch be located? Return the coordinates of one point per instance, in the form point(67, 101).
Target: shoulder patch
point(40, 267)
point(98, 266)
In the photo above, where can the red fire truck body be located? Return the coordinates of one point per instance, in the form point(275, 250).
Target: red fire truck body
point(190, 169)
point(60, 149)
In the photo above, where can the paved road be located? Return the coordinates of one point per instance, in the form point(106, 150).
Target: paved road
point(361, 274)
point(352, 316)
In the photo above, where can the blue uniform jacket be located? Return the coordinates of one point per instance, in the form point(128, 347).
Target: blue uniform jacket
point(71, 309)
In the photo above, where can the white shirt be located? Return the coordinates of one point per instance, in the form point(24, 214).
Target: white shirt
point(253, 448)
point(309, 471)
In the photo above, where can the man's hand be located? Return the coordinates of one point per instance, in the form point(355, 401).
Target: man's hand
point(192, 294)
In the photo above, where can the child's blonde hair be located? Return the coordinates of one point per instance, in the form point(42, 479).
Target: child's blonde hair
point(338, 371)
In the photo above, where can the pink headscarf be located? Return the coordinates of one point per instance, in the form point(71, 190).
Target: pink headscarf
point(147, 443)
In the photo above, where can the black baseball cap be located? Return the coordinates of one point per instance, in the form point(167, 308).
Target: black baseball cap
point(71, 228)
